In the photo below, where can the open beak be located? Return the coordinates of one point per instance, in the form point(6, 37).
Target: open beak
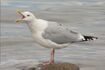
point(21, 19)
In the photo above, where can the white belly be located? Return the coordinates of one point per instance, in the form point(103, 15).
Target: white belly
point(48, 43)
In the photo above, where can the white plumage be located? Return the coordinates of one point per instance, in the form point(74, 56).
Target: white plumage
point(51, 35)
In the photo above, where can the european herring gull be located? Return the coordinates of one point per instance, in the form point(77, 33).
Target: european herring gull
point(51, 35)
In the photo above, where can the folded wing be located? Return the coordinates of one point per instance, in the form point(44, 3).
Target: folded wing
point(59, 34)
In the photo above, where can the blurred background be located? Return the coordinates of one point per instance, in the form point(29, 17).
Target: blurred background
point(85, 16)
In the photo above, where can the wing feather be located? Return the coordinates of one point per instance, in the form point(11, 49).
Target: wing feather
point(59, 34)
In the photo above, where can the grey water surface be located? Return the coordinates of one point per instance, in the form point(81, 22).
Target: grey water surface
point(18, 49)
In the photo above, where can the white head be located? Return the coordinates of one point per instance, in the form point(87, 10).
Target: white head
point(32, 22)
point(26, 16)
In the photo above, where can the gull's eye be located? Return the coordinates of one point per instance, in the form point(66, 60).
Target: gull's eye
point(28, 15)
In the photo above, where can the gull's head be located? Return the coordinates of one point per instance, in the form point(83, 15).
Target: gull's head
point(25, 16)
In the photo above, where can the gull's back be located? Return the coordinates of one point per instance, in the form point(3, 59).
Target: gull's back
point(60, 34)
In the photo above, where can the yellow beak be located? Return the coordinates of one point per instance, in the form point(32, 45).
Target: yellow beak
point(19, 12)
point(19, 20)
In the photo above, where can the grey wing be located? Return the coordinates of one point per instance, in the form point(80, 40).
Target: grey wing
point(59, 34)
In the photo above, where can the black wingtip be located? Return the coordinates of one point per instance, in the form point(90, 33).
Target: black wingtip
point(88, 38)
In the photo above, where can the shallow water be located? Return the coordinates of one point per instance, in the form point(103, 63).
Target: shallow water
point(18, 49)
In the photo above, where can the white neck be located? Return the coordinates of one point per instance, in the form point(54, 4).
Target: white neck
point(38, 26)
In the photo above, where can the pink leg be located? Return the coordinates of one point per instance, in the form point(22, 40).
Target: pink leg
point(52, 56)
point(51, 61)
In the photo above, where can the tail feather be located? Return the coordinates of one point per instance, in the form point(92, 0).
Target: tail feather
point(88, 38)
